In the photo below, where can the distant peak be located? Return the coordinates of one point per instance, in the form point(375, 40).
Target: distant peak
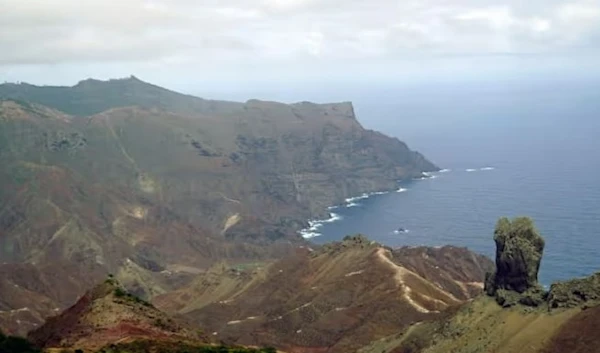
point(88, 81)
point(92, 81)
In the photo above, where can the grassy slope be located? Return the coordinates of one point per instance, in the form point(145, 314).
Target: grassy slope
point(480, 326)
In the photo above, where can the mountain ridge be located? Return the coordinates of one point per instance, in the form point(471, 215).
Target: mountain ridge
point(109, 319)
point(154, 186)
point(46, 95)
point(336, 298)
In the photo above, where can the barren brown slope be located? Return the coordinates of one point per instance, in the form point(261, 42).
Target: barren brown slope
point(104, 315)
point(334, 299)
point(155, 186)
point(70, 215)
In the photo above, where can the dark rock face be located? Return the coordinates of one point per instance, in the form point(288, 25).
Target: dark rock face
point(519, 249)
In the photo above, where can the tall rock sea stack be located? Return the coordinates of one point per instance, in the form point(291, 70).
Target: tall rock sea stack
point(519, 249)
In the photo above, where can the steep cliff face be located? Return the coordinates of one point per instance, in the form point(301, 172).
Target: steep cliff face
point(155, 186)
point(519, 249)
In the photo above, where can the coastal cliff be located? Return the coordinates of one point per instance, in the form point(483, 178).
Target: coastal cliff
point(125, 177)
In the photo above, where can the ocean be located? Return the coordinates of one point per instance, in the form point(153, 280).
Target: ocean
point(507, 149)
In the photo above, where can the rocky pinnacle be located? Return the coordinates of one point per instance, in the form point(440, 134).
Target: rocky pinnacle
point(519, 249)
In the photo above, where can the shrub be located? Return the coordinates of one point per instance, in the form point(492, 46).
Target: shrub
point(12, 344)
point(120, 292)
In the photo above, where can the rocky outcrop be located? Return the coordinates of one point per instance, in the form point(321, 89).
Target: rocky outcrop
point(357, 241)
point(519, 249)
point(575, 292)
point(106, 314)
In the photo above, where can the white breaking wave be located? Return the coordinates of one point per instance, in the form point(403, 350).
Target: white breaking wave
point(313, 226)
point(308, 235)
point(479, 169)
point(427, 175)
point(397, 231)
point(356, 198)
point(351, 201)
point(332, 218)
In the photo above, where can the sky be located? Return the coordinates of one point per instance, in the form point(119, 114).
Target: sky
point(228, 45)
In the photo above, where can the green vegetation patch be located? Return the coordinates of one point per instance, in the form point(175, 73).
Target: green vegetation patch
point(572, 293)
point(128, 297)
point(13, 344)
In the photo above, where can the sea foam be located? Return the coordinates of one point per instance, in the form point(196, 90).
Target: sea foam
point(351, 201)
point(401, 231)
point(314, 225)
point(356, 198)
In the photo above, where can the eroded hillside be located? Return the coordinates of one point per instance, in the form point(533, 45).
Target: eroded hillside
point(334, 299)
point(154, 186)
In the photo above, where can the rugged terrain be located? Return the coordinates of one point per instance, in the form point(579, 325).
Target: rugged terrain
point(193, 206)
point(110, 319)
point(348, 296)
point(515, 315)
point(154, 186)
point(334, 299)
point(107, 314)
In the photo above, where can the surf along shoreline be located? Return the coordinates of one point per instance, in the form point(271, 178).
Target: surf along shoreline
point(314, 225)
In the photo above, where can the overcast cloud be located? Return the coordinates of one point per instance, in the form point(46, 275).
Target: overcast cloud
point(56, 40)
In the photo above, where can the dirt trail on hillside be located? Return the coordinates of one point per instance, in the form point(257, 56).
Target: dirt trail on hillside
point(401, 276)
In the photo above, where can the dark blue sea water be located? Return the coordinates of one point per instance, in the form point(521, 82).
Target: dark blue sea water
point(542, 140)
